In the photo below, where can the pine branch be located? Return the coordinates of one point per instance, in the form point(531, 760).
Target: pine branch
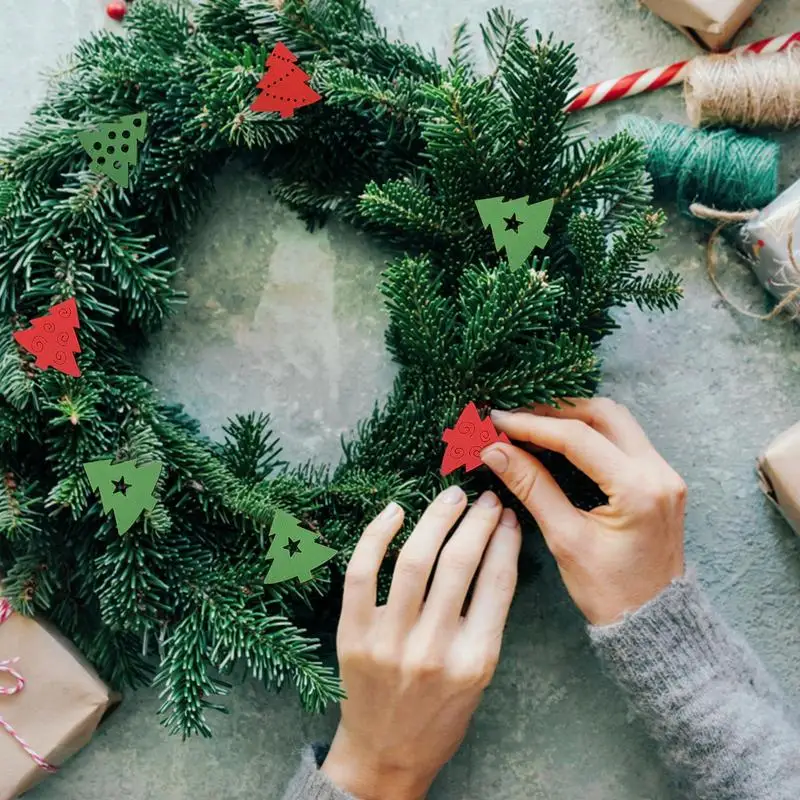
point(251, 450)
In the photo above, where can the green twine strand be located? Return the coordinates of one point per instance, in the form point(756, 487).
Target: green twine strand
point(719, 168)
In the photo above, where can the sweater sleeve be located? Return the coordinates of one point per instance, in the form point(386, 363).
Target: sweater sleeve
point(309, 783)
point(704, 696)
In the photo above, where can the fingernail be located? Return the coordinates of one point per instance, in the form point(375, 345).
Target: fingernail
point(500, 416)
point(487, 499)
point(495, 459)
point(509, 518)
point(452, 495)
point(389, 511)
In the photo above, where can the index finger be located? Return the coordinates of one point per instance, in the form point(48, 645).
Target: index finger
point(581, 444)
point(361, 576)
point(611, 419)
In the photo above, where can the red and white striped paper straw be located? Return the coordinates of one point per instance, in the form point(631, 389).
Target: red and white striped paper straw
point(648, 80)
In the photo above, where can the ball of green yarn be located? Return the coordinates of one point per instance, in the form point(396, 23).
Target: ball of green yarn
point(720, 168)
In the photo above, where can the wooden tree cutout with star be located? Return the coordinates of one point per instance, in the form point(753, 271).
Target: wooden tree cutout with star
point(516, 225)
point(125, 489)
point(295, 551)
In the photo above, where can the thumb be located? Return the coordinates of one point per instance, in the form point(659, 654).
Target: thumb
point(535, 487)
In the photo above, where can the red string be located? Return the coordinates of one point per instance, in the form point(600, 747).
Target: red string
point(7, 666)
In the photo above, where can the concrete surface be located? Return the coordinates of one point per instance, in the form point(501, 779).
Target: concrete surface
point(288, 322)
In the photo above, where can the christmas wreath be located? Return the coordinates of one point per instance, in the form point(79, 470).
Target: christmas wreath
point(399, 145)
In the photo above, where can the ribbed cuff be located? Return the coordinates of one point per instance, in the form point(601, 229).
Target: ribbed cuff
point(675, 638)
point(309, 783)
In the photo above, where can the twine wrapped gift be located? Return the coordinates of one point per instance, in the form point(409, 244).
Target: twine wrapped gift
point(779, 475)
point(771, 243)
point(710, 23)
point(51, 702)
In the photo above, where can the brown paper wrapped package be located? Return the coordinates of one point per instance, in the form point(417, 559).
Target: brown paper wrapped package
point(771, 244)
point(58, 710)
point(710, 23)
point(779, 474)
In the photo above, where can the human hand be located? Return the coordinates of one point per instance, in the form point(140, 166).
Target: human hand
point(414, 669)
point(617, 557)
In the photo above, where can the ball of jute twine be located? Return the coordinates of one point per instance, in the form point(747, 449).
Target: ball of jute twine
point(745, 89)
point(725, 218)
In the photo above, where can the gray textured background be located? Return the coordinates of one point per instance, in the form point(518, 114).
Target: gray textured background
point(291, 323)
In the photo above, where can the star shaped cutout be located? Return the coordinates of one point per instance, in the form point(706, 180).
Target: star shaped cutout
point(512, 223)
point(120, 487)
point(292, 547)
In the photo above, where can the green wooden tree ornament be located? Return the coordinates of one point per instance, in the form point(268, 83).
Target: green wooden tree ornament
point(516, 225)
point(114, 146)
point(295, 551)
point(125, 489)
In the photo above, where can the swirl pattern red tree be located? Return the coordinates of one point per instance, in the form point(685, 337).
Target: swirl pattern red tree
point(52, 339)
point(466, 440)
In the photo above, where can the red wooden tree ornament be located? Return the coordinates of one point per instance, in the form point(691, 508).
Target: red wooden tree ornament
point(52, 338)
point(285, 86)
point(466, 440)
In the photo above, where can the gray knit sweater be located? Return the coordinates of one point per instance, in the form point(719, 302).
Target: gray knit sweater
point(704, 696)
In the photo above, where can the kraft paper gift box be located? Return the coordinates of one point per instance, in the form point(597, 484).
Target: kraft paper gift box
point(710, 23)
point(58, 709)
point(779, 474)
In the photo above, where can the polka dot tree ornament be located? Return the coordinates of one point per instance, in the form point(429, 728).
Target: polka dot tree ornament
point(113, 146)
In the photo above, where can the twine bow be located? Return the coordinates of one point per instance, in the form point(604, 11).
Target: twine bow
point(725, 218)
point(7, 667)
